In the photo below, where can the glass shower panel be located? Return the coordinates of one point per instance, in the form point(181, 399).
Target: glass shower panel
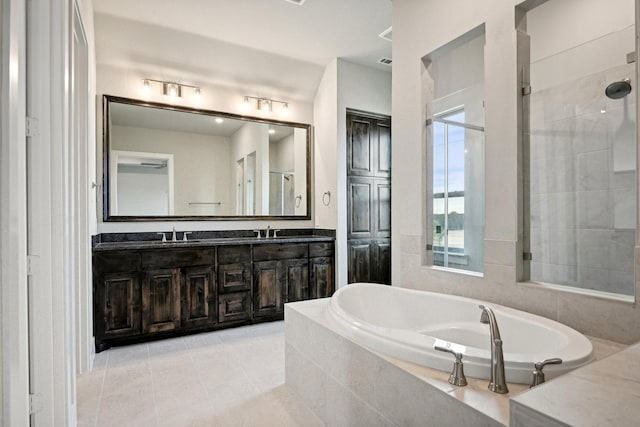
point(580, 177)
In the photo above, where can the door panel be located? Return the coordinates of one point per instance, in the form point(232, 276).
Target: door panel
point(161, 301)
point(359, 147)
point(382, 262)
point(198, 305)
point(121, 305)
point(359, 262)
point(359, 201)
point(296, 279)
point(384, 150)
point(322, 282)
point(267, 288)
point(383, 208)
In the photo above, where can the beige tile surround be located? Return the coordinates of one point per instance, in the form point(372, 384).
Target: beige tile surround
point(344, 383)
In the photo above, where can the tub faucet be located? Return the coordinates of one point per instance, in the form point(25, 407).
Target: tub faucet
point(497, 383)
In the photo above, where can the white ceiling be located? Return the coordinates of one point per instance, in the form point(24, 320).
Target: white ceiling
point(268, 43)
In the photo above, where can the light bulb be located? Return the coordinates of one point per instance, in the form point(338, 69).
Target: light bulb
point(285, 109)
point(197, 92)
point(146, 87)
point(265, 105)
point(245, 103)
point(219, 120)
point(272, 131)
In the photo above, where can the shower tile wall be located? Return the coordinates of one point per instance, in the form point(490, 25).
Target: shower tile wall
point(582, 184)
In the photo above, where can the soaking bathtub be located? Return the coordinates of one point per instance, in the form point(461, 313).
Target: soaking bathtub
point(406, 324)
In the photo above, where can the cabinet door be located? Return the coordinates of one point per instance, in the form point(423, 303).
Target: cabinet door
point(234, 277)
point(267, 288)
point(322, 277)
point(234, 307)
point(381, 252)
point(118, 303)
point(161, 300)
point(198, 297)
point(296, 277)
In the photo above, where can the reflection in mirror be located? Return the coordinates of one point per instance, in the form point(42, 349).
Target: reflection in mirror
point(172, 162)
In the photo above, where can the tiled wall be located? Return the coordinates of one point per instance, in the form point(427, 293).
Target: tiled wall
point(582, 190)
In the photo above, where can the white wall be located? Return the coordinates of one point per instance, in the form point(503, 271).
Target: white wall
point(250, 138)
point(202, 171)
point(421, 28)
point(575, 38)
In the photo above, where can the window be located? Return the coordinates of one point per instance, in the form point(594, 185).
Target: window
point(450, 137)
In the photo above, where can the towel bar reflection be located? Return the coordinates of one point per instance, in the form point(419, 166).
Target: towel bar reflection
point(205, 203)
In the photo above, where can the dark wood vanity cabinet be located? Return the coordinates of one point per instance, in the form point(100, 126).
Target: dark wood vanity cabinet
point(279, 271)
point(234, 283)
point(322, 260)
point(144, 293)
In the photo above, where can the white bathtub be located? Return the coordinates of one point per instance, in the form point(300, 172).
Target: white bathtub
point(406, 324)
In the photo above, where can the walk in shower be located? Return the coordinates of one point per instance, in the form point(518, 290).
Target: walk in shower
point(579, 144)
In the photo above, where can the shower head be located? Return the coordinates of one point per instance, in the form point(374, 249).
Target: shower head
point(617, 90)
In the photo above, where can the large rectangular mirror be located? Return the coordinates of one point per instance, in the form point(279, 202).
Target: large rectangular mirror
point(164, 162)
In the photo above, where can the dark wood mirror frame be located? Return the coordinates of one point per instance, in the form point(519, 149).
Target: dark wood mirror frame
point(107, 217)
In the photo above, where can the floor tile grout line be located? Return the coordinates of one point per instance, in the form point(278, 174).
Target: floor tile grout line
point(104, 377)
point(153, 387)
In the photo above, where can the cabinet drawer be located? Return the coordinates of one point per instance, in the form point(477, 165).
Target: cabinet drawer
point(234, 277)
point(321, 249)
point(234, 254)
point(175, 258)
point(280, 251)
point(234, 307)
point(116, 262)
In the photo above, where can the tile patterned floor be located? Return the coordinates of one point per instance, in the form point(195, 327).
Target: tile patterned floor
point(233, 377)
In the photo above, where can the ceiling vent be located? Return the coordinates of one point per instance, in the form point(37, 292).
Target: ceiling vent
point(298, 2)
point(385, 61)
point(386, 34)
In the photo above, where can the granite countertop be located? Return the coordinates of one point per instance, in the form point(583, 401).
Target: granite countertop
point(198, 243)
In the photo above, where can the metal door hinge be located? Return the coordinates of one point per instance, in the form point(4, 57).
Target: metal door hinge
point(35, 403)
point(526, 90)
point(33, 264)
point(428, 122)
point(527, 256)
point(429, 247)
point(32, 126)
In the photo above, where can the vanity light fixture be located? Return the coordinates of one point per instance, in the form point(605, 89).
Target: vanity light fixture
point(171, 88)
point(266, 105)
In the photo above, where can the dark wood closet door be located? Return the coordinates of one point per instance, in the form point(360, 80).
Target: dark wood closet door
point(369, 197)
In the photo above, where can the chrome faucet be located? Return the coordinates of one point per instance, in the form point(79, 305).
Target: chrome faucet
point(173, 235)
point(267, 233)
point(497, 383)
